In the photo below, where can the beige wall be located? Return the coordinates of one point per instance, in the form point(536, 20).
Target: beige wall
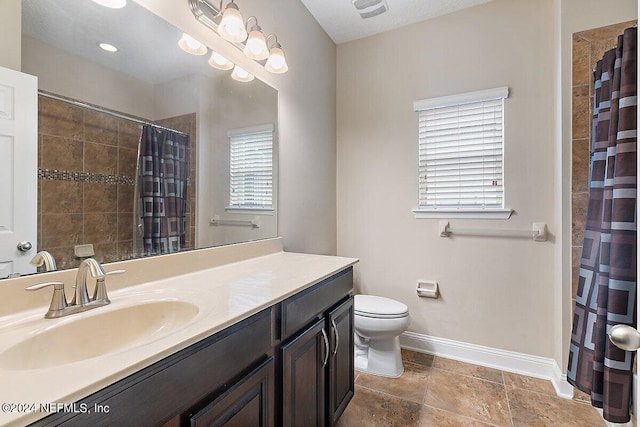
point(11, 24)
point(503, 293)
point(496, 292)
point(90, 82)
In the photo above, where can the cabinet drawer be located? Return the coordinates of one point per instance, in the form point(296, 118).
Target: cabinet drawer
point(300, 309)
point(179, 382)
point(248, 403)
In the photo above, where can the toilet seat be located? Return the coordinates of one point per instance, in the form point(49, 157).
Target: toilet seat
point(379, 307)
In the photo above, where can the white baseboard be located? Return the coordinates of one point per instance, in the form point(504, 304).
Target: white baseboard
point(510, 361)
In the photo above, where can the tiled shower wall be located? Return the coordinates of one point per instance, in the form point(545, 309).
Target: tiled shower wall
point(87, 167)
point(588, 48)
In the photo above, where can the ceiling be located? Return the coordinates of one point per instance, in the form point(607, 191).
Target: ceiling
point(148, 49)
point(343, 23)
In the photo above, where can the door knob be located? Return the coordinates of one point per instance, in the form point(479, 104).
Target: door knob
point(24, 246)
point(624, 337)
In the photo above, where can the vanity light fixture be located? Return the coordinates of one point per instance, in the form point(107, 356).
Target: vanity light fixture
point(256, 46)
point(113, 4)
point(108, 47)
point(231, 26)
point(241, 75)
point(220, 62)
point(191, 45)
point(276, 63)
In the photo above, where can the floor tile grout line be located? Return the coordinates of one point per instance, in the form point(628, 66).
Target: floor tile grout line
point(426, 390)
point(470, 376)
point(375, 390)
point(460, 415)
point(506, 393)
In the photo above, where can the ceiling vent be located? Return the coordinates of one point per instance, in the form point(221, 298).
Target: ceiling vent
point(370, 8)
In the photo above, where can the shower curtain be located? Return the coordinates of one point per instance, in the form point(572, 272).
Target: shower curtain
point(607, 283)
point(163, 172)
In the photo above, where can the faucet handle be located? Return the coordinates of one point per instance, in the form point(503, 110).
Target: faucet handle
point(56, 286)
point(58, 302)
point(100, 291)
point(115, 272)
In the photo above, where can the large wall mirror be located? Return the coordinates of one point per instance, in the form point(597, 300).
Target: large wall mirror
point(92, 106)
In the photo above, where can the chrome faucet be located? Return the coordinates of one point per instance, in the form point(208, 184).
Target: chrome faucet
point(44, 262)
point(81, 301)
point(89, 265)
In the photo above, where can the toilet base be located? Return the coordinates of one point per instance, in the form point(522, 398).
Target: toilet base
point(379, 357)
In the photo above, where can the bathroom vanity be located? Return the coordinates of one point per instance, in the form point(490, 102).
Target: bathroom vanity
point(271, 344)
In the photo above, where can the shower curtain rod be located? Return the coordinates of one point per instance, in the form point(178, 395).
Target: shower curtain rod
point(105, 111)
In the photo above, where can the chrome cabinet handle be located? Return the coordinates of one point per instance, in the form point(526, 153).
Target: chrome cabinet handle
point(24, 246)
point(624, 337)
point(326, 347)
point(335, 332)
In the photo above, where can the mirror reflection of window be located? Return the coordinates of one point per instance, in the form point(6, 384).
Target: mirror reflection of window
point(251, 167)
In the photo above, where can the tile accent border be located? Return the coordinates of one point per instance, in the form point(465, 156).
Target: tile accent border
point(96, 178)
point(509, 361)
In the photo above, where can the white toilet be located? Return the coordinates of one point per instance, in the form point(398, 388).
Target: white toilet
point(378, 323)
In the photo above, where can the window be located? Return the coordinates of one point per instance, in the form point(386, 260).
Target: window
point(251, 168)
point(460, 146)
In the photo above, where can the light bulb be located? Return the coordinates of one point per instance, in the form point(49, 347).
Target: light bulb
point(241, 75)
point(191, 45)
point(256, 47)
point(276, 63)
point(231, 27)
point(220, 62)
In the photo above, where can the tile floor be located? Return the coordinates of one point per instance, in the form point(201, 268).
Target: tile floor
point(439, 392)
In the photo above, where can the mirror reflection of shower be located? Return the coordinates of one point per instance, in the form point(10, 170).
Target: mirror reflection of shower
point(161, 196)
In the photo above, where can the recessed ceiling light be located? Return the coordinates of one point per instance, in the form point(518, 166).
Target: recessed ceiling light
point(108, 47)
point(113, 4)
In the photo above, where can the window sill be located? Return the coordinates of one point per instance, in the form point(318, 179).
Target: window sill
point(249, 211)
point(421, 213)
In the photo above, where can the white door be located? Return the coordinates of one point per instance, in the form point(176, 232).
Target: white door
point(18, 171)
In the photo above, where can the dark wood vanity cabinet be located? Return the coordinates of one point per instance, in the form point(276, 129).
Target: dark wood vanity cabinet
point(291, 364)
point(318, 361)
point(341, 360)
point(248, 403)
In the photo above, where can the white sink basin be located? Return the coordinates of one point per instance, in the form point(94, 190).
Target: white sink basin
point(100, 332)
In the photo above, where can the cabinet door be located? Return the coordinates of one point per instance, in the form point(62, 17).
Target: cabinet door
point(341, 362)
point(304, 360)
point(248, 403)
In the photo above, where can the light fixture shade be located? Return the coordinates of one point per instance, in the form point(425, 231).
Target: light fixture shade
point(220, 62)
point(191, 45)
point(231, 27)
point(241, 75)
point(256, 46)
point(276, 63)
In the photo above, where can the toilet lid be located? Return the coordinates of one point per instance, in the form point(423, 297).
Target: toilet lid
point(373, 306)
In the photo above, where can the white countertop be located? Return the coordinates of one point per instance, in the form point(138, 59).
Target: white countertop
point(225, 294)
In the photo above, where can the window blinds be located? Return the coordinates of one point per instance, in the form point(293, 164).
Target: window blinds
point(460, 141)
point(251, 167)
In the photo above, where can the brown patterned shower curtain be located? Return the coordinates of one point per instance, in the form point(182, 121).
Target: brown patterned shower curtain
point(163, 171)
point(607, 283)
